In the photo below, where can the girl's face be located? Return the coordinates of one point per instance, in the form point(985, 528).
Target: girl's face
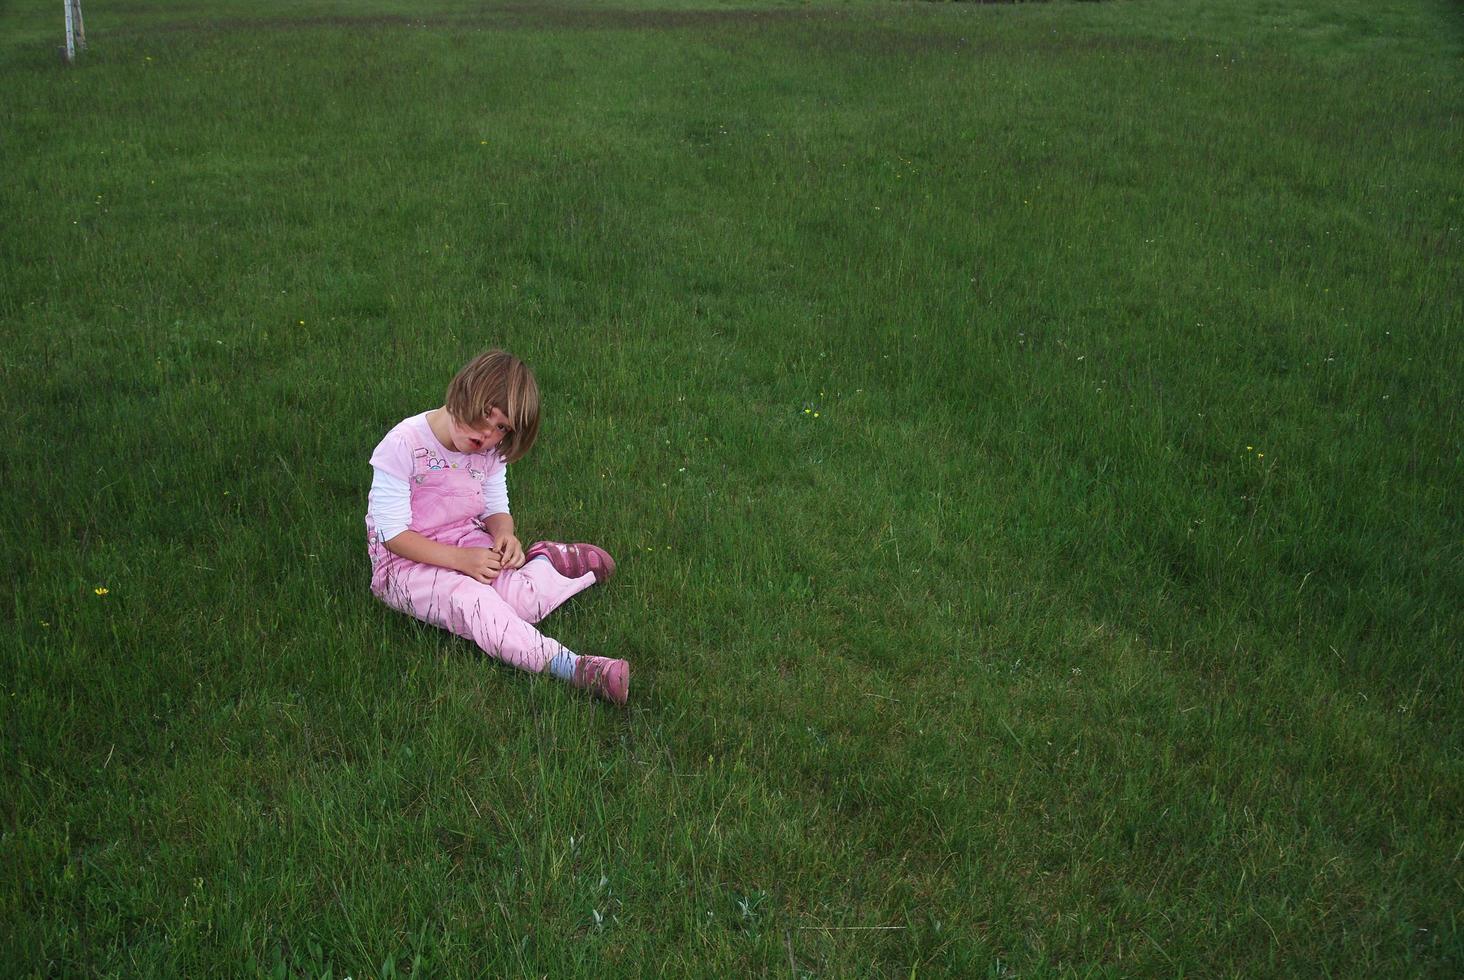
point(481, 436)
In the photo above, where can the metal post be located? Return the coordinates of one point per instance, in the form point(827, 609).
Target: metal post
point(70, 35)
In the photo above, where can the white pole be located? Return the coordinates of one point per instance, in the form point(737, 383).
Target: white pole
point(70, 35)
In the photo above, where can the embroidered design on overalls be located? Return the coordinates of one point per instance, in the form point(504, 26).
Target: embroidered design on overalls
point(424, 460)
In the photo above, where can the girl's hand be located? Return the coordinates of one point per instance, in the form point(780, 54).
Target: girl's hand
point(511, 549)
point(482, 564)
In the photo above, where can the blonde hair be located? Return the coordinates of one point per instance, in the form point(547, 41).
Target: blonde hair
point(497, 379)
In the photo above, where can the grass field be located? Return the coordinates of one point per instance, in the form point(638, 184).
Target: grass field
point(1029, 434)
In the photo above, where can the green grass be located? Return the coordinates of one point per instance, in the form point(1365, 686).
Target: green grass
point(1029, 435)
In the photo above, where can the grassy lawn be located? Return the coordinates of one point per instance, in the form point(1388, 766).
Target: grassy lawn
point(1029, 435)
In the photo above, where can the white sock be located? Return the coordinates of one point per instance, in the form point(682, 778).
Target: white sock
point(562, 666)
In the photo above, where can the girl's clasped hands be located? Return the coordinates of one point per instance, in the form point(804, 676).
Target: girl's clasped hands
point(484, 564)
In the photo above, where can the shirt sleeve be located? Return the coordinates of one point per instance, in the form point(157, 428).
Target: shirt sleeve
point(392, 456)
point(389, 505)
point(495, 491)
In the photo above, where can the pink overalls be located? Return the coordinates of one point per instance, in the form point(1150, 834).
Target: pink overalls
point(446, 505)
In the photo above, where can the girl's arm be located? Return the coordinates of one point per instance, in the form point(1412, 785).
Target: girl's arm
point(499, 522)
point(482, 564)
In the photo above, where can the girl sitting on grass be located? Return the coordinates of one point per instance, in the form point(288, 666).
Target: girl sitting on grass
point(442, 541)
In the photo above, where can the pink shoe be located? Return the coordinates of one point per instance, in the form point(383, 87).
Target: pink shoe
point(573, 560)
point(603, 677)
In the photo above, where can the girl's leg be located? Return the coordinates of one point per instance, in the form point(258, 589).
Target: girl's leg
point(536, 590)
point(477, 612)
point(539, 587)
point(473, 611)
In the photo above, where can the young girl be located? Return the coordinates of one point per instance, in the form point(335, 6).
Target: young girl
point(442, 541)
